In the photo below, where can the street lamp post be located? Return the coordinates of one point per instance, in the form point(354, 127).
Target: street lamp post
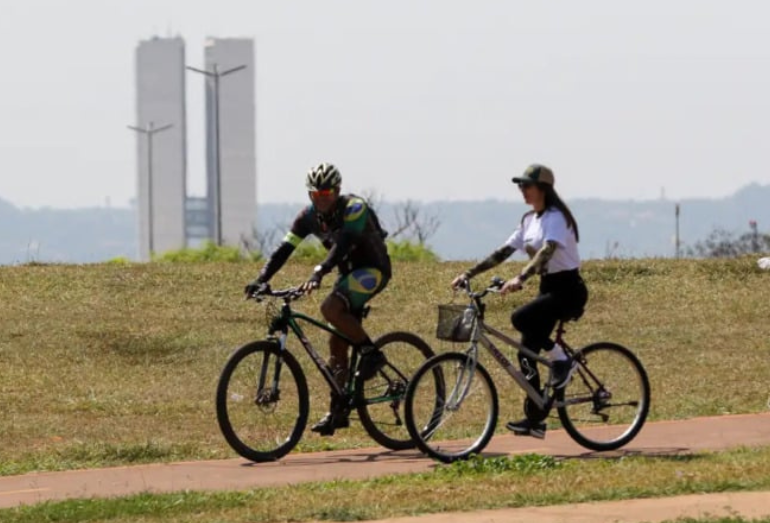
point(149, 131)
point(754, 236)
point(676, 237)
point(215, 74)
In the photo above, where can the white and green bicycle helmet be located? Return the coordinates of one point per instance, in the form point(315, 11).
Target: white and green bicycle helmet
point(323, 176)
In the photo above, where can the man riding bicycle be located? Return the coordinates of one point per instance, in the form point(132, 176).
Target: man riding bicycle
point(349, 229)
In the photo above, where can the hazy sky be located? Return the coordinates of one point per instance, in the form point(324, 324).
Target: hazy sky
point(420, 99)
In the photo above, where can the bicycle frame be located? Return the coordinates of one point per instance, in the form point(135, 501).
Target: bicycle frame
point(287, 320)
point(481, 333)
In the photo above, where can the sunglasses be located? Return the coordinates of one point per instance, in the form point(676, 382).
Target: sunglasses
point(323, 193)
point(525, 185)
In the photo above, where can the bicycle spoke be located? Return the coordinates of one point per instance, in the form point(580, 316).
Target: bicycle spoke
point(380, 400)
point(261, 423)
point(606, 403)
point(454, 427)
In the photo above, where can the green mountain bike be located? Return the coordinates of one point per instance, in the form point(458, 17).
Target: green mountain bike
point(262, 398)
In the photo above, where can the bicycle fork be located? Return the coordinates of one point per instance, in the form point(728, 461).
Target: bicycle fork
point(462, 384)
point(267, 395)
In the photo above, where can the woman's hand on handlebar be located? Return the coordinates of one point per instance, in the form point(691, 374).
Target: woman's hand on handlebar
point(461, 282)
point(512, 285)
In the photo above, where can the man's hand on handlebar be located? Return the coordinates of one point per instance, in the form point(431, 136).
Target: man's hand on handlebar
point(312, 283)
point(256, 289)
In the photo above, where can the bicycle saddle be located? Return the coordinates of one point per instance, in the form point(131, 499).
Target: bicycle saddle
point(573, 315)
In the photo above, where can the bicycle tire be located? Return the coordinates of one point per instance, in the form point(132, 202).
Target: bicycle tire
point(424, 431)
point(585, 416)
point(383, 420)
point(232, 411)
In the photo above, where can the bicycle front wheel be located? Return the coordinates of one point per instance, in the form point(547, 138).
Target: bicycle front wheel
point(607, 401)
point(380, 400)
point(451, 407)
point(262, 401)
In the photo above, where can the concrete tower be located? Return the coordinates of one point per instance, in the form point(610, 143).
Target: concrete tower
point(231, 182)
point(160, 101)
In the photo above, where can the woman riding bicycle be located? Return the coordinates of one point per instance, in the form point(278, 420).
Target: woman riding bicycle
point(549, 235)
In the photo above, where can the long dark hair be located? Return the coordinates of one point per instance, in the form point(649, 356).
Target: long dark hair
point(552, 200)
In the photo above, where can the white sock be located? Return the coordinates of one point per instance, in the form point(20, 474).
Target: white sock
point(557, 353)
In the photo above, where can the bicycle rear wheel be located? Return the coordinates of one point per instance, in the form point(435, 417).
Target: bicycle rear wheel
point(260, 421)
point(451, 407)
point(380, 400)
point(607, 401)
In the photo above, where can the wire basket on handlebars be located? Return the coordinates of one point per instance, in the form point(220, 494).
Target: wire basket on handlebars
point(455, 322)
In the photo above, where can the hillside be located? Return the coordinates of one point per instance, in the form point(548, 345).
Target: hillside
point(468, 230)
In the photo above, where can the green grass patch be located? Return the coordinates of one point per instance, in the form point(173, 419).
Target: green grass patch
point(478, 465)
point(98, 362)
point(729, 519)
point(517, 481)
point(208, 252)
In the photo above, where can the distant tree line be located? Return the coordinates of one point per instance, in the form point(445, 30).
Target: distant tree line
point(721, 243)
point(409, 230)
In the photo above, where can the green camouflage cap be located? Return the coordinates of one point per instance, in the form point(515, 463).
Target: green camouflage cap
point(536, 173)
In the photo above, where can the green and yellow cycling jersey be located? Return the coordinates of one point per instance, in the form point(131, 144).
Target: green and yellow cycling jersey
point(351, 232)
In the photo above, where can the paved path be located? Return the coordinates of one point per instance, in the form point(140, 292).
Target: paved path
point(661, 438)
point(750, 505)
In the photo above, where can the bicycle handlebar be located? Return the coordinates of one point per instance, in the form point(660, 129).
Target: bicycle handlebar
point(494, 287)
point(294, 293)
point(288, 294)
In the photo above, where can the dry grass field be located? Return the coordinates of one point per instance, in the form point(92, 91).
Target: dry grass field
point(114, 364)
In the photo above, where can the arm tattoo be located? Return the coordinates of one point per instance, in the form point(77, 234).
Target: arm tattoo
point(493, 260)
point(539, 260)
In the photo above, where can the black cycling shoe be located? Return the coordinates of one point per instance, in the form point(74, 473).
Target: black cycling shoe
point(372, 361)
point(331, 422)
point(525, 427)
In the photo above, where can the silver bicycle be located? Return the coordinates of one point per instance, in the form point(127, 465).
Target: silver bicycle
point(451, 403)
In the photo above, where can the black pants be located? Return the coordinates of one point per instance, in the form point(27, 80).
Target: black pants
point(562, 295)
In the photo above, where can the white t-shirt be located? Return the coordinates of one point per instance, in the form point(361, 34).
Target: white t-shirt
point(550, 226)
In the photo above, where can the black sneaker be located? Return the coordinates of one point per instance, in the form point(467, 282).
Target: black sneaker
point(561, 373)
point(525, 427)
point(372, 360)
point(331, 422)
